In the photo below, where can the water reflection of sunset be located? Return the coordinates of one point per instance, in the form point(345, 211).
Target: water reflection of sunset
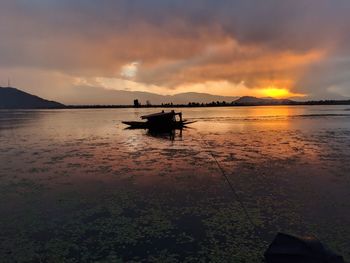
point(287, 163)
point(270, 112)
point(247, 118)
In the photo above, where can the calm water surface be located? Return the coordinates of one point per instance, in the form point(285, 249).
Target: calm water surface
point(75, 186)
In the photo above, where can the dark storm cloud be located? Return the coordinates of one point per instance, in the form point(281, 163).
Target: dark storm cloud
point(182, 41)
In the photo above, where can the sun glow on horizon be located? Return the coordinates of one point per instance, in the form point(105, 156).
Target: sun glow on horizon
point(279, 93)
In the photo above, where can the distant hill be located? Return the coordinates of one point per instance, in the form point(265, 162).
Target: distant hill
point(11, 98)
point(89, 97)
point(86, 95)
point(248, 100)
point(187, 97)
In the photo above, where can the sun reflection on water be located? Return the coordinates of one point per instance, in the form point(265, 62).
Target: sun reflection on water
point(120, 187)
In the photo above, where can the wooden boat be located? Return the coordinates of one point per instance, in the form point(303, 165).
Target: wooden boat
point(159, 121)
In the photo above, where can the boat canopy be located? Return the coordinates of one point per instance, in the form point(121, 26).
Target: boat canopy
point(162, 115)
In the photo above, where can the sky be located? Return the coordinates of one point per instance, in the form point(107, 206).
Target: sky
point(293, 48)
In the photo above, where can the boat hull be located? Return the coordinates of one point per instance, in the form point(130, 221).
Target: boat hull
point(157, 126)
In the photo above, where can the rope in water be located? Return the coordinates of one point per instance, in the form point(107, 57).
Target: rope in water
point(233, 190)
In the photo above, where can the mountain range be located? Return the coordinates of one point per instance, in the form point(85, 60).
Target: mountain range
point(248, 100)
point(86, 95)
point(12, 98)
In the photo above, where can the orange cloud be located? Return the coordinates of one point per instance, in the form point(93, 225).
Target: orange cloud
point(222, 49)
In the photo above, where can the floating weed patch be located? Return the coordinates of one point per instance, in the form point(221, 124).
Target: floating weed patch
point(109, 195)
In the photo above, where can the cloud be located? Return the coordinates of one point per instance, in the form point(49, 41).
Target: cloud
point(296, 45)
point(130, 70)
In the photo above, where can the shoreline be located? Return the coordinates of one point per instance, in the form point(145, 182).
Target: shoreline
point(308, 103)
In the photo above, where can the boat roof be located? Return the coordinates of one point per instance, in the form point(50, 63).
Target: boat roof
point(159, 114)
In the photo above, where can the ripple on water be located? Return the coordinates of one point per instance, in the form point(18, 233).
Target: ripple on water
point(79, 188)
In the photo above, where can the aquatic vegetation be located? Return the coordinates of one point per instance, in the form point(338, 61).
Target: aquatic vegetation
point(110, 195)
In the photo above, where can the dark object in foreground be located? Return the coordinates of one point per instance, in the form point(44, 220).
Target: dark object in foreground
point(159, 121)
point(290, 249)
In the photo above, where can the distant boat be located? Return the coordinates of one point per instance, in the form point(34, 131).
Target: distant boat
point(159, 121)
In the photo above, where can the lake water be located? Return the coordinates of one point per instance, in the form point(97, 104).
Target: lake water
point(75, 186)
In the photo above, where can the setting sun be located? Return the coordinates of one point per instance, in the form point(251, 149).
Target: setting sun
point(279, 93)
point(275, 92)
